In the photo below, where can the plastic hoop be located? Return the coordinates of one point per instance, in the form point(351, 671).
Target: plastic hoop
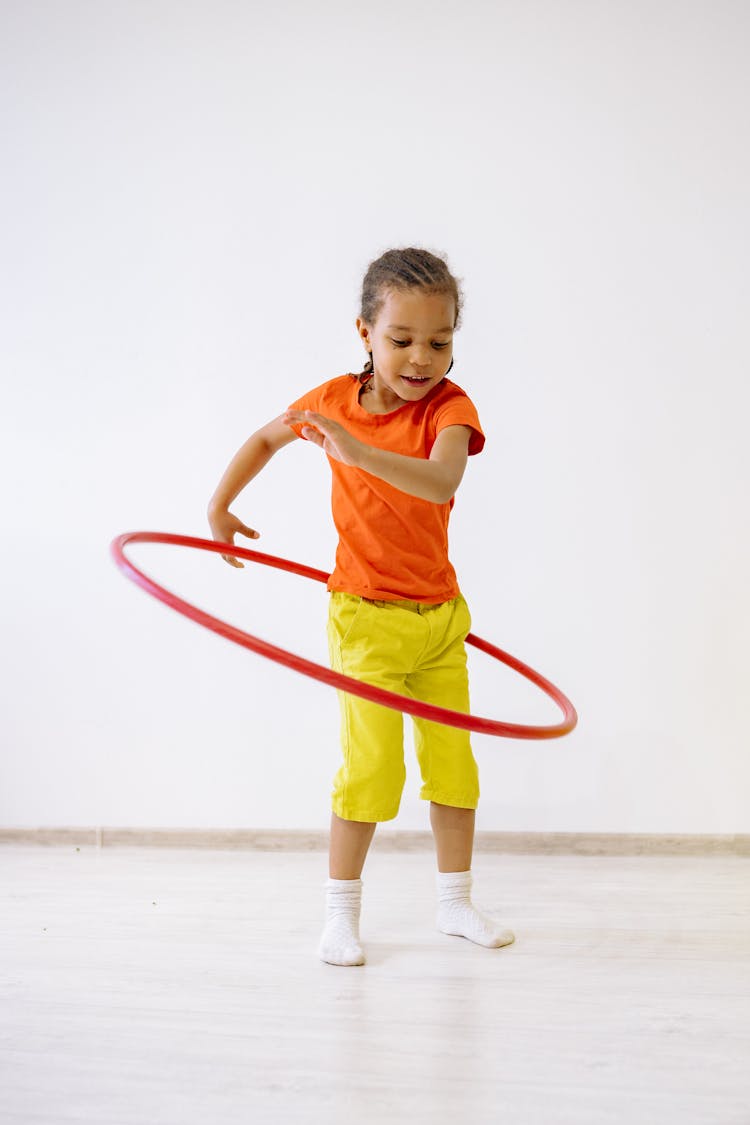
point(326, 675)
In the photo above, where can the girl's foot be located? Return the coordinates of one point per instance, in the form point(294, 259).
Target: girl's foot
point(458, 916)
point(340, 943)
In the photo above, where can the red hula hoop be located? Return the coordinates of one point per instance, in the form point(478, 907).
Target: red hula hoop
point(319, 671)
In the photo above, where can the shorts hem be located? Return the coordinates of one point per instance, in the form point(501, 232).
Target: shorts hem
point(366, 816)
point(453, 800)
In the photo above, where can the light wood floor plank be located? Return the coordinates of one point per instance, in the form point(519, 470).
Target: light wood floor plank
point(179, 986)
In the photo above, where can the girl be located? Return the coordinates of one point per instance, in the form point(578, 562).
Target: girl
point(397, 437)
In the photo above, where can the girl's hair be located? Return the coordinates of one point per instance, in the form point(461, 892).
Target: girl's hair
point(403, 269)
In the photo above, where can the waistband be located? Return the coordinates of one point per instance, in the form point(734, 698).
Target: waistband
point(403, 603)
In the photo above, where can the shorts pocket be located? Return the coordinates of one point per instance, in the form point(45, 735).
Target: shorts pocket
point(344, 614)
point(463, 614)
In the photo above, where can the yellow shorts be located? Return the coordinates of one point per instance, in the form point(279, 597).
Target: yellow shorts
point(417, 650)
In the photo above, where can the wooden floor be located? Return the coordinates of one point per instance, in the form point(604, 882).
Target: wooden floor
point(176, 986)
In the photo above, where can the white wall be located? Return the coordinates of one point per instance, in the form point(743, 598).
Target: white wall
point(191, 193)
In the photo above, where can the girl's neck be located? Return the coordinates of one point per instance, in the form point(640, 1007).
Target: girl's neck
point(374, 401)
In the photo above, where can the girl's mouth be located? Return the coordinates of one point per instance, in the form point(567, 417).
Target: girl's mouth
point(416, 380)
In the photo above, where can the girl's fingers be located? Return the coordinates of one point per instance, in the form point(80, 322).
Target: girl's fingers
point(313, 435)
point(307, 417)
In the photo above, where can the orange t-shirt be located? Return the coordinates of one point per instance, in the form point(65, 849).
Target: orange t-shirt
point(391, 545)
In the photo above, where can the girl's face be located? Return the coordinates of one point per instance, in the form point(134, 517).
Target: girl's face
point(411, 343)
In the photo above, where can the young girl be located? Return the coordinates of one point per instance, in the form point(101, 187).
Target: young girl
point(397, 437)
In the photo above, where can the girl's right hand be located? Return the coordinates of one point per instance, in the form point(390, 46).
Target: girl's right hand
point(224, 527)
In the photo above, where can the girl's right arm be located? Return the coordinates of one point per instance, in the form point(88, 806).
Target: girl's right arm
point(246, 464)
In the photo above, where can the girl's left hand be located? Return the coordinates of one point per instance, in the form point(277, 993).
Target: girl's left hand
point(336, 441)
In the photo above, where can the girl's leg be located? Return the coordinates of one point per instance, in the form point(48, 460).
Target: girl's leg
point(365, 640)
point(450, 776)
point(350, 842)
point(453, 830)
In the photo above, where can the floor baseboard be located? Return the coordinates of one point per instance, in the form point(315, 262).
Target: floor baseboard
point(288, 840)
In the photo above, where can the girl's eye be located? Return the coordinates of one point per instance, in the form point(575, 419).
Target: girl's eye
point(405, 343)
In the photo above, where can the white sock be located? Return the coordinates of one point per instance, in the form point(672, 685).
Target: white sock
point(339, 944)
point(457, 915)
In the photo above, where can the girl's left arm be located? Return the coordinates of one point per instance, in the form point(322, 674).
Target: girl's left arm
point(436, 478)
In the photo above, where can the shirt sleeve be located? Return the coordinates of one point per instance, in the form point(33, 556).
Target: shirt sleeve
point(459, 410)
point(311, 400)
